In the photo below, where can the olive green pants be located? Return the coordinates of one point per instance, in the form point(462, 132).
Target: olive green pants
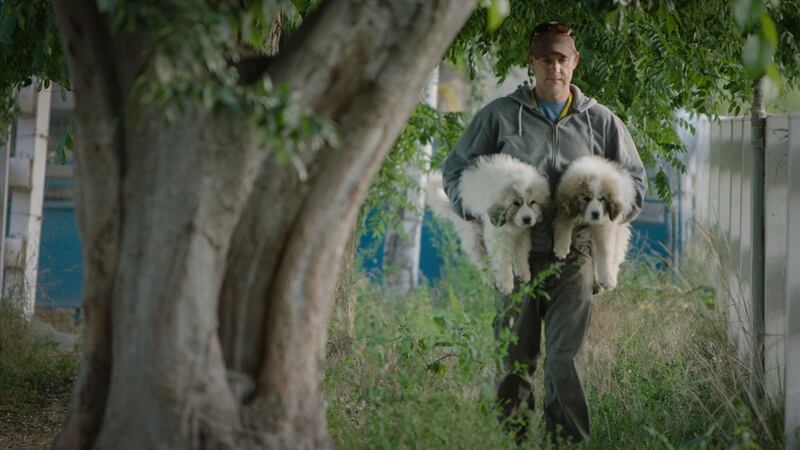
point(566, 320)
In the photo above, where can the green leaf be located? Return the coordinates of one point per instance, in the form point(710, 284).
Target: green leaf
point(746, 13)
point(498, 11)
point(440, 322)
point(662, 187)
point(757, 53)
point(438, 367)
point(774, 74)
point(769, 31)
point(65, 144)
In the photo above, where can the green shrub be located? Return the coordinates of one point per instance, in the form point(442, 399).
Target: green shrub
point(30, 368)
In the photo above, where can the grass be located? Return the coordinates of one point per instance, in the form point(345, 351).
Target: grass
point(420, 372)
point(35, 379)
point(660, 372)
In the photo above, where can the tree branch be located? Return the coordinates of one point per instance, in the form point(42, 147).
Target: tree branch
point(363, 66)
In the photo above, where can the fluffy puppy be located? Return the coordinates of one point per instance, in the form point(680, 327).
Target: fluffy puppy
point(598, 193)
point(508, 197)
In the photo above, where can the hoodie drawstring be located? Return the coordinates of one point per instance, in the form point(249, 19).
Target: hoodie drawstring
point(519, 121)
point(591, 133)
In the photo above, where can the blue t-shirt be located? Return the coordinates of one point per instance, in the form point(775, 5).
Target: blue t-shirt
point(551, 110)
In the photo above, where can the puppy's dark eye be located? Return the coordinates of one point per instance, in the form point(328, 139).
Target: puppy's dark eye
point(588, 199)
point(532, 202)
point(517, 203)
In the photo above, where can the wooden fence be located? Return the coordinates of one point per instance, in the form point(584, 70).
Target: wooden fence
point(718, 182)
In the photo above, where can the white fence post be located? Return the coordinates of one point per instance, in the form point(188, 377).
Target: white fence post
point(26, 194)
point(739, 304)
point(745, 267)
point(775, 252)
point(713, 180)
point(724, 203)
point(5, 152)
point(792, 299)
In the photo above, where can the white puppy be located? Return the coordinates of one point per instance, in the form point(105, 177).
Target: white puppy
point(597, 192)
point(509, 197)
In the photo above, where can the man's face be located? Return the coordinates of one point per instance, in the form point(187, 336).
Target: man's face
point(553, 72)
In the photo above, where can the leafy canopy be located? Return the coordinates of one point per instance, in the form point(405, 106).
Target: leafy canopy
point(646, 59)
point(642, 58)
point(29, 49)
point(190, 57)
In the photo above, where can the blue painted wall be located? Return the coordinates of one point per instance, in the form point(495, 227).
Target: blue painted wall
point(654, 238)
point(61, 260)
point(60, 279)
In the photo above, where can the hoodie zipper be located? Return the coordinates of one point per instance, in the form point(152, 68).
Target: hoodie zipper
point(555, 147)
point(536, 111)
point(555, 135)
point(555, 139)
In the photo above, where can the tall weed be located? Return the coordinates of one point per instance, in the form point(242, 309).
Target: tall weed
point(30, 368)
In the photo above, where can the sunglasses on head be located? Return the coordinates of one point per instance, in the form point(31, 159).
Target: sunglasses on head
point(553, 27)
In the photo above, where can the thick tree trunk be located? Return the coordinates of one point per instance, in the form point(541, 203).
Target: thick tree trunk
point(167, 357)
point(401, 250)
point(99, 154)
point(210, 269)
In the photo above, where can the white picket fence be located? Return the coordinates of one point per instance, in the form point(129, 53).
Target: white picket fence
point(718, 184)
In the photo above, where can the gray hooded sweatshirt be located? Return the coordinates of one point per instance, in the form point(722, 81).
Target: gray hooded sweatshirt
point(516, 125)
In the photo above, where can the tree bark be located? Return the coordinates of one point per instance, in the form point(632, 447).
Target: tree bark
point(401, 250)
point(99, 153)
point(210, 269)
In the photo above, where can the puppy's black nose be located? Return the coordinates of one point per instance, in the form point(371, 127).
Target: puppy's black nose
point(595, 215)
point(526, 220)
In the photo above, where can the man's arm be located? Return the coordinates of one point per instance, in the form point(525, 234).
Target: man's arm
point(620, 148)
point(476, 141)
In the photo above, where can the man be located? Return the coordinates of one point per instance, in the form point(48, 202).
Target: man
point(548, 126)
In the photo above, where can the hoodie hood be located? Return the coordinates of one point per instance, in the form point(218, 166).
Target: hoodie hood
point(522, 95)
point(524, 98)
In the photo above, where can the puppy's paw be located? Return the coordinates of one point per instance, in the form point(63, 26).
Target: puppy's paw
point(607, 282)
point(505, 283)
point(525, 273)
point(561, 251)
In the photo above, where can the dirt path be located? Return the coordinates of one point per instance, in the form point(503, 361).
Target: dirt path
point(37, 365)
point(36, 424)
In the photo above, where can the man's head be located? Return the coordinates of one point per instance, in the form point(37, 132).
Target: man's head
point(553, 57)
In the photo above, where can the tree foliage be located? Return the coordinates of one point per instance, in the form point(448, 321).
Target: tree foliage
point(426, 126)
point(643, 59)
point(195, 51)
point(646, 59)
point(29, 49)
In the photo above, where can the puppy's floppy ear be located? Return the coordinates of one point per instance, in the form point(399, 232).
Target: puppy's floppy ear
point(498, 215)
point(573, 207)
point(614, 208)
point(566, 208)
